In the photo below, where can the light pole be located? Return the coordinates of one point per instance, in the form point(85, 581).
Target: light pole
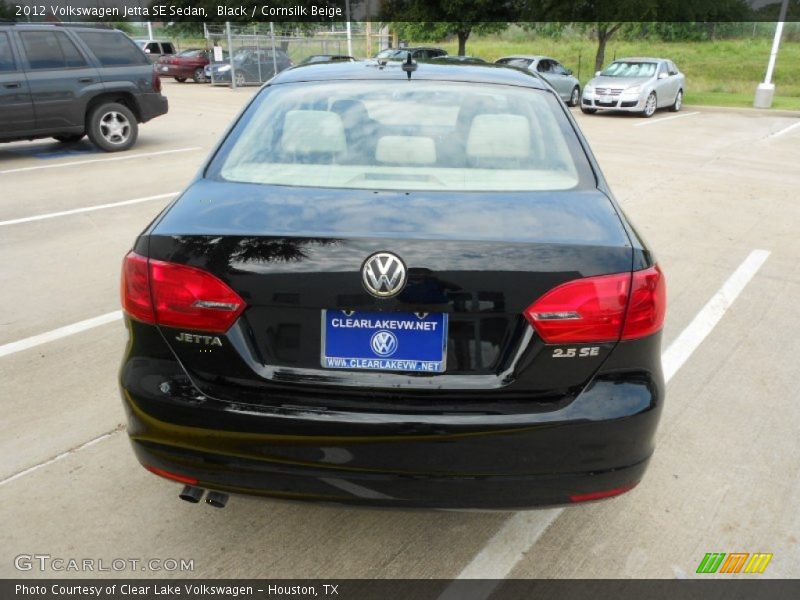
point(766, 90)
point(349, 35)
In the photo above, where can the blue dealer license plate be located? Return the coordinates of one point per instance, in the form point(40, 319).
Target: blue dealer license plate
point(384, 341)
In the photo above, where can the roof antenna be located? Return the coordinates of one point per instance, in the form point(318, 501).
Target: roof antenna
point(409, 66)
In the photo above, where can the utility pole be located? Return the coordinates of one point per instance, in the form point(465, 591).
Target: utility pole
point(274, 56)
point(230, 55)
point(766, 90)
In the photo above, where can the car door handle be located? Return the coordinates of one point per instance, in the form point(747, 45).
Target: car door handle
point(11, 84)
point(86, 79)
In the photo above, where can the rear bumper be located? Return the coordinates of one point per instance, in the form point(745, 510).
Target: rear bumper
point(152, 105)
point(602, 440)
point(293, 482)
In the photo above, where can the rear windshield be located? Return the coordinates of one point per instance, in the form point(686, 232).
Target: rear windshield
point(422, 135)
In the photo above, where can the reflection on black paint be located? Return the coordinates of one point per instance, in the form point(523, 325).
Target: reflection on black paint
point(233, 252)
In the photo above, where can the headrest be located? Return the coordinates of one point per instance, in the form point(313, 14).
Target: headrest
point(310, 131)
point(406, 149)
point(499, 136)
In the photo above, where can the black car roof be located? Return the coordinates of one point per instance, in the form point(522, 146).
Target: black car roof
point(374, 70)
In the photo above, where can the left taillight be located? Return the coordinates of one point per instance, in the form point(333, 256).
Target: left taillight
point(174, 295)
point(156, 82)
point(135, 290)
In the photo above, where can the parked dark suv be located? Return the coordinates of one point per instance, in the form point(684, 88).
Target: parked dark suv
point(67, 82)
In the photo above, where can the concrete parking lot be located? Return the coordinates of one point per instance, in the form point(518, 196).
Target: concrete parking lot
point(715, 192)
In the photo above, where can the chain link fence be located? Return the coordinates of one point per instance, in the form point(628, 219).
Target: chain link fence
point(253, 54)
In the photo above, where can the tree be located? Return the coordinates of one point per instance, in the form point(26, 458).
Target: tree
point(606, 17)
point(426, 20)
point(6, 11)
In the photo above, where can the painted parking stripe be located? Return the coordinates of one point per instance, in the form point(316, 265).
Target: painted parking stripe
point(654, 121)
point(58, 457)
point(74, 211)
point(522, 530)
point(784, 131)
point(690, 338)
point(57, 334)
point(89, 161)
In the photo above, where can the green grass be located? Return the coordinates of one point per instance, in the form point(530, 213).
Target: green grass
point(721, 73)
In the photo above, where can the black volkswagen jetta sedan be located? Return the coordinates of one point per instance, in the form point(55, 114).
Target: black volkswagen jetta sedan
point(396, 285)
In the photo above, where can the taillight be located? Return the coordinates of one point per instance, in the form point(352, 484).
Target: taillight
point(135, 291)
point(648, 304)
point(174, 295)
point(594, 309)
point(156, 82)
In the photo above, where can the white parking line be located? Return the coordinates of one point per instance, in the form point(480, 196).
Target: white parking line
point(57, 334)
point(654, 121)
point(84, 209)
point(783, 131)
point(690, 338)
point(521, 531)
point(58, 457)
point(100, 160)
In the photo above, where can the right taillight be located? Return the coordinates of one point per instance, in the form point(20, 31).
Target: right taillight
point(606, 308)
point(175, 295)
point(156, 82)
point(648, 304)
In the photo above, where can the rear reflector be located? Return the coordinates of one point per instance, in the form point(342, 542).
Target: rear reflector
point(175, 295)
point(173, 476)
point(602, 494)
point(594, 309)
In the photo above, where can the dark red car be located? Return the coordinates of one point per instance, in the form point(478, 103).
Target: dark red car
point(188, 64)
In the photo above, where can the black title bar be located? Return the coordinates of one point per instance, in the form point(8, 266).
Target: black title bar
point(399, 10)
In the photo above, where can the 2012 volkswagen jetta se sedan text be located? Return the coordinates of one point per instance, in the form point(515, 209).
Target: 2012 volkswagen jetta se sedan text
point(396, 284)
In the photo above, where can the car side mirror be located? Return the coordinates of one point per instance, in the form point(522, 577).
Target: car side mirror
point(569, 71)
point(597, 73)
point(662, 75)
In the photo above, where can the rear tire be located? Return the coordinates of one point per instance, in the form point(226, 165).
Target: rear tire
point(650, 106)
point(69, 139)
point(241, 80)
point(180, 79)
point(112, 127)
point(199, 75)
point(588, 111)
point(676, 106)
point(575, 96)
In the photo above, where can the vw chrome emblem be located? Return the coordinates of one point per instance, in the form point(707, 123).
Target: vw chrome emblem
point(383, 343)
point(384, 275)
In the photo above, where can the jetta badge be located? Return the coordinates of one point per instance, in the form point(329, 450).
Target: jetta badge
point(383, 275)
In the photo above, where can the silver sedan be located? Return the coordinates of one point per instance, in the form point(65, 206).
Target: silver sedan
point(640, 85)
point(557, 75)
